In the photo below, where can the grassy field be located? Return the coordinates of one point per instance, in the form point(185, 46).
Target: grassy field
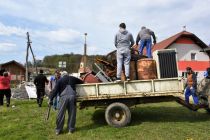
point(159, 121)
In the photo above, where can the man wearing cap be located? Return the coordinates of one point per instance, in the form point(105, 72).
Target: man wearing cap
point(66, 88)
point(145, 36)
point(123, 42)
point(40, 82)
point(191, 86)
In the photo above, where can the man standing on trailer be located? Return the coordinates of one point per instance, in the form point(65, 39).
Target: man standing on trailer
point(123, 42)
point(145, 36)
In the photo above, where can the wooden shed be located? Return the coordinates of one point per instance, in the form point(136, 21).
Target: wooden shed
point(16, 70)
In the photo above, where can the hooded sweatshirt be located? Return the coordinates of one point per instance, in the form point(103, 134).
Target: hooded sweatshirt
point(123, 39)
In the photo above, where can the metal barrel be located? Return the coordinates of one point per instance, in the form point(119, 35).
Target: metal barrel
point(147, 69)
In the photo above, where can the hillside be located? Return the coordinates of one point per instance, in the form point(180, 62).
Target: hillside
point(72, 61)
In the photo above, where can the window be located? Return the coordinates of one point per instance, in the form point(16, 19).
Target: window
point(193, 56)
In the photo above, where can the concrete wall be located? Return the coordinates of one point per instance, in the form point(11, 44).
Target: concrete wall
point(184, 52)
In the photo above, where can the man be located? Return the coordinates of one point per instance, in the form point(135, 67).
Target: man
point(40, 82)
point(191, 86)
point(52, 83)
point(66, 88)
point(145, 36)
point(123, 42)
point(204, 85)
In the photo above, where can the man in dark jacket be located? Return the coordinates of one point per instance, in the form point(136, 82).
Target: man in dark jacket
point(66, 88)
point(40, 82)
point(145, 36)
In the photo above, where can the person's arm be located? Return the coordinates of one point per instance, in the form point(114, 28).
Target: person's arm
point(137, 39)
point(131, 40)
point(194, 81)
point(35, 80)
point(153, 36)
point(46, 80)
point(55, 91)
point(78, 81)
point(50, 85)
point(115, 41)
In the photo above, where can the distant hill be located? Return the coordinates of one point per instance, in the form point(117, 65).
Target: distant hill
point(72, 61)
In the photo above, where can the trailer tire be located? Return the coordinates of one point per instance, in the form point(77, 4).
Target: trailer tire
point(118, 115)
point(208, 109)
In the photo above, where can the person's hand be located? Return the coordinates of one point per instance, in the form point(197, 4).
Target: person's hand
point(191, 88)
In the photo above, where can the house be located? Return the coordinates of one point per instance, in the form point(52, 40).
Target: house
point(191, 52)
point(16, 70)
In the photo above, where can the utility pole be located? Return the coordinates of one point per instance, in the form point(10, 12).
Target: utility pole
point(85, 52)
point(27, 53)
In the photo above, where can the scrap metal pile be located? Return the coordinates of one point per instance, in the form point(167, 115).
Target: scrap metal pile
point(108, 68)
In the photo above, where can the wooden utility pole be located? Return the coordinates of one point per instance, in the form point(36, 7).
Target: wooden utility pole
point(85, 52)
point(27, 53)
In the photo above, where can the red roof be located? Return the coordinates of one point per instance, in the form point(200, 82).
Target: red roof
point(184, 34)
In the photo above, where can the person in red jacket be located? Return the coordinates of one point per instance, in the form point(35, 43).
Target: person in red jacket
point(5, 87)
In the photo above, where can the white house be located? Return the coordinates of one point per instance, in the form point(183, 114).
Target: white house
point(191, 52)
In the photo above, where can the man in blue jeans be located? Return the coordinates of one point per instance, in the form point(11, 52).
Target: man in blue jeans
point(191, 86)
point(145, 36)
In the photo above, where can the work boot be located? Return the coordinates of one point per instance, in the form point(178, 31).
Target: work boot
point(8, 102)
point(118, 79)
point(127, 78)
point(57, 132)
point(71, 132)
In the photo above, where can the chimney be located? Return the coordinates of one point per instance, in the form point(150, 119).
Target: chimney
point(184, 28)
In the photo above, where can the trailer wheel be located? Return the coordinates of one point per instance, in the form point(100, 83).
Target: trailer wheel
point(208, 109)
point(118, 115)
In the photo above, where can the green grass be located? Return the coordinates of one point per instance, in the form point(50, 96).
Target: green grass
point(159, 121)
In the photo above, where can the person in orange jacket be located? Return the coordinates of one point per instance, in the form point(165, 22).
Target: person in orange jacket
point(191, 86)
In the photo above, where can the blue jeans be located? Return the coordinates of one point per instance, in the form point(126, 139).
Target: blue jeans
point(188, 93)
point(56, 102)
point(148, 44)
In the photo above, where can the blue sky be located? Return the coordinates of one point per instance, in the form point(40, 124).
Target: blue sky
point(58, 27)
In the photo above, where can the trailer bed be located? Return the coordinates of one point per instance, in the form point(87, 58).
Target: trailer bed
point(130, 89)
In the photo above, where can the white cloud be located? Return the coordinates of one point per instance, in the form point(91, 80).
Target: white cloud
point(60, 35)
point(11, 30)
point(7, 48)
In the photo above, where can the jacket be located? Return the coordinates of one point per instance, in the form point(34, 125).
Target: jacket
point(5, 82)
point(63, 82)
point(192, 80)
point(40, 81)
point(145, 34)
point(123, 39)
